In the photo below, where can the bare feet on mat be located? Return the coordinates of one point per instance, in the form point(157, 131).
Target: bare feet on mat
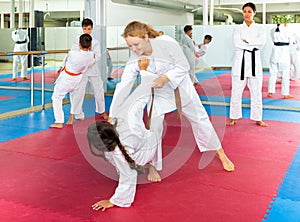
point(226, 162)
point(261, 123)
point(153, 174)
point(270, 94)
point(25, 78)
point(288, 97)
point(102, 205)
point(57, 125)
point(231, 122)
point(104, 115)
point(13, 79)
point(70, 120)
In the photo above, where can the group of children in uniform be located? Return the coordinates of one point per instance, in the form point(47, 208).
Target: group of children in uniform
point(79, 67)
point(193, 52)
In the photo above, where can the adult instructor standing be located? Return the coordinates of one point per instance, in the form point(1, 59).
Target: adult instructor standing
point(249, 38)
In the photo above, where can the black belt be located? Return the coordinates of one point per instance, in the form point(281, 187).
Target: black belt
point(21, 42)
point(252, 60)
point(281, 43)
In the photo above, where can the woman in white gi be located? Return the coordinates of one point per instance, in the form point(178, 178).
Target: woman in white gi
point(280, 61)
point(295, 60)
point(77, 62)
point(127, 144)
point(92, 75)
point(21, 40)
point(171, 67)
point(188, 47)
point(249, 38)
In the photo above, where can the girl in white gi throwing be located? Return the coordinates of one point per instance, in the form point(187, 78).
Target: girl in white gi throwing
point(171, 68)
point(249, 37)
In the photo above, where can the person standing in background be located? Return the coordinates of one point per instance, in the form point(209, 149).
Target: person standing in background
point(200, 51)
point(77, 62)
point(21, 40)
point(295, 60)
point(280, 61)
point(92, 75)
point(109, 65)
point(248, 39)
point(188, 47)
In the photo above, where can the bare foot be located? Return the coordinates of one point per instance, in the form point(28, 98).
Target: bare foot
point(270, 94)
point(13, 79)
point(104, 115)
point(70, 120)
point(227, 164)
point(231, 122)
point(57, 125)
point(153, 174)
point(25, 78)
point(288, 97)
point(261, 123)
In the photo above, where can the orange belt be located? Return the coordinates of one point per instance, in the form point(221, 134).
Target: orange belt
point(70, 73)
point(177, 102)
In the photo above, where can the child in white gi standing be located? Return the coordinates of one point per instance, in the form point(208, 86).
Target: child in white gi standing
point(188, 47)
point(92, 75)
point(249, 38)
point(77, 62)
point(21, 40)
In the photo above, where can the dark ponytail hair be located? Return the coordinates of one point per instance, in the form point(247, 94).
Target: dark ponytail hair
point(104, 137)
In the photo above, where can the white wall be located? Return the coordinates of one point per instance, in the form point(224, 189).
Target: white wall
point(53, 5)
point(120, 14)
point(117, 14)
point(220, 52)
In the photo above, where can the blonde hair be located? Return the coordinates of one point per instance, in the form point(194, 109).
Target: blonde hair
point(139, 29)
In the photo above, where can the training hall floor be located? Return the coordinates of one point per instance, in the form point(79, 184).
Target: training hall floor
point(49, 174)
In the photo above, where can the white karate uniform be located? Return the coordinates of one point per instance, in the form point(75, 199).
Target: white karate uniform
point(140, 143)
point(188, 47)
point(255, 35)
point(91, 75)
point(77, 62)
point(109, 65)
point(295, 60)
point(168, 58)
point(21, 40)
point(202, 50)
point(280, 61)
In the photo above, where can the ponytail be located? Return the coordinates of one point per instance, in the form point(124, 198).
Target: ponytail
point(139, 29)
point(103, 137)
point(129, 160)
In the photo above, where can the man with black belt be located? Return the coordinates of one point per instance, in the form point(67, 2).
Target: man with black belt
point(280, 61)
point(21, 40)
